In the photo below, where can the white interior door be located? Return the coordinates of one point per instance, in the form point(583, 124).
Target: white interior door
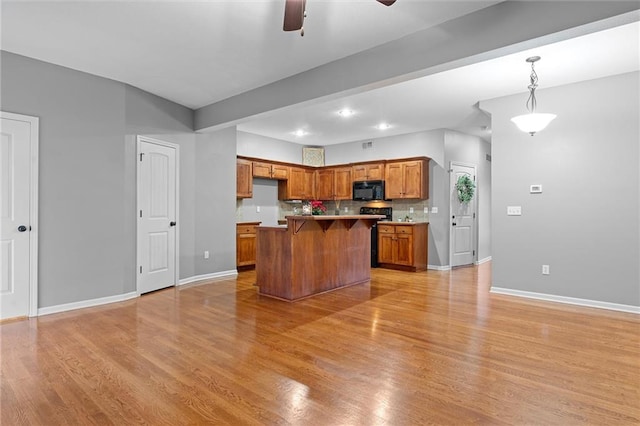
point(463, 218)
point(18, 147)
point(157, 214)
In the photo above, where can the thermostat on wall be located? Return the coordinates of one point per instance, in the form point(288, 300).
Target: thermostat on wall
point(535, 189)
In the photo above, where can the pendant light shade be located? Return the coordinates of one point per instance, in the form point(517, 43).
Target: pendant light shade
point(533, 121)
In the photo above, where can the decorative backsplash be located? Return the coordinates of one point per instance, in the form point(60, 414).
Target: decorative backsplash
point(401, 209)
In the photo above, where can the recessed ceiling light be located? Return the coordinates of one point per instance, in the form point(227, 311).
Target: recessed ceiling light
point(299, 132)
point(383, 126)
point(345, 113)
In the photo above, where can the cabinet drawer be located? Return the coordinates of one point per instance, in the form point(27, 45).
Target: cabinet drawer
point(404, 229)
point(246, 229)
point(386, 229)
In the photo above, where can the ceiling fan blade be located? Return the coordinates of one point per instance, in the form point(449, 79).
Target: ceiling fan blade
point(387, 2)
point(293, 14)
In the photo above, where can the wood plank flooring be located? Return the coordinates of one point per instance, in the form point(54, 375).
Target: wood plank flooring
point(407, 349)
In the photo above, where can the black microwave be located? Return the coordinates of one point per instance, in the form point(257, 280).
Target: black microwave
point(368, 190)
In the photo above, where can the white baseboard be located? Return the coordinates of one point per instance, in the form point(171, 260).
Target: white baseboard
point(439, 268)
point(86, 303)
point(206, 277)
point(567, 300)
point(481, 261)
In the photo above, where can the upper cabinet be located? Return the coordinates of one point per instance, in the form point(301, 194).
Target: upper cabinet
point(244, 179)
point(368, 171)
point(334, 183)
point(270, 170)
point(407, 179)
point(299, 186)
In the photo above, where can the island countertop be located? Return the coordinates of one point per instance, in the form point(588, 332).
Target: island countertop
point(313, 254)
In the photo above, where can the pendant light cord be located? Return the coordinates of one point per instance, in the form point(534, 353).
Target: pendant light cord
point(531, 102)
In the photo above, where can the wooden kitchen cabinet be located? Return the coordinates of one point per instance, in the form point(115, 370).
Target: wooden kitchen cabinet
point(246, 244)
point(267, 170)
point(403, 246)
point(367, 172)
point(334, 183)
point(299, 186)
point(244, 179)
point(407, 179)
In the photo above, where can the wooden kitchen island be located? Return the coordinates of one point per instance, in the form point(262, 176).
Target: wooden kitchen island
point(313, 254)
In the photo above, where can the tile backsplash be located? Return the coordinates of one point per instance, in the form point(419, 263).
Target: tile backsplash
point(401, 209)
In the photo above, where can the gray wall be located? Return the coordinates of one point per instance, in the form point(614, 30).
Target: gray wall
point(252, 145)
point(87, 174)
point(215, 216)
point(585, 224)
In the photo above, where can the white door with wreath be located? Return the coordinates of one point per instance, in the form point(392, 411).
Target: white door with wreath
point(463, 197)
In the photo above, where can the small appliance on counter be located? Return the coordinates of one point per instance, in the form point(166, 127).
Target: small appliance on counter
point(388, 213)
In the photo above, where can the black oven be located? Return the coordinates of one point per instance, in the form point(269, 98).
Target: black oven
point(387, 212)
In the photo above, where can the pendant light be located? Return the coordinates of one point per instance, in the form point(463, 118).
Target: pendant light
point(533, 121)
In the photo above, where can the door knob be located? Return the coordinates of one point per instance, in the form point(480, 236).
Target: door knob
point(22, 228)
point(172, 224)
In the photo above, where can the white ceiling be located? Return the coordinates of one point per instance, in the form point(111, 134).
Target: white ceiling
point(199, 52)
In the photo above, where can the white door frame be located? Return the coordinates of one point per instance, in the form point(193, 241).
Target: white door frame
point(33, 206)
point(147, 139)
point(475, 211)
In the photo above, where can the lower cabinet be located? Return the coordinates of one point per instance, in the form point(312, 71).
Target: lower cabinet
point(246, 244)
point(403, 246)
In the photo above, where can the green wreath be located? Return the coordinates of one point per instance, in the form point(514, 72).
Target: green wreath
point(465, 187)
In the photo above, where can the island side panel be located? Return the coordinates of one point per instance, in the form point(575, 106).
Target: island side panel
point(273, 262)
point(315, 253)
point(354, 263)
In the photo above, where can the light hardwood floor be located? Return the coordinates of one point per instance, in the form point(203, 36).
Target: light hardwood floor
point(406, 349)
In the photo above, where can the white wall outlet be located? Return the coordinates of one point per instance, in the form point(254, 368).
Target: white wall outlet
point(514, 210)
point(206, 254)
point(434, 210)
point(257, 209)
point(410, 210)
point(346, 209)
point(426, 210)
point(545, 269)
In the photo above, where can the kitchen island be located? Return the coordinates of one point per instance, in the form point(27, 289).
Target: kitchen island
point(313, 254)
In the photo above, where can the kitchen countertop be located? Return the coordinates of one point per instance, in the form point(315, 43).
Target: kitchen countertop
point(395, 222)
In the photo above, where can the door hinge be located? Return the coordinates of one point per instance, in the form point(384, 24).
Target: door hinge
point(141, 154)
point(141, 269)
point(140, 213)
point(474, 216)
point(474, 252)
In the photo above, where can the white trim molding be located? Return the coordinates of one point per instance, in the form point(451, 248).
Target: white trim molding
point(567, 300)
point(208, 277)
point(87, 303)
point(481, 261)
point(439, 268)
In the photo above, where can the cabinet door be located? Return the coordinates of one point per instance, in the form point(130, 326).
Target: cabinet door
point(299, 186)
point(244, 179)
point(413, 177)
point(279, 172)
point(324, 184)
point(404, 249)
point(359, 172)
point(375, 171)
point(262, 170)
point(386, 247)
point(343, 184)
point(246, 249)
point(393, 188)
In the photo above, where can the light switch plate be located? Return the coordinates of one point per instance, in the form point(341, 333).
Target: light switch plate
point(535, 189)
point(411, 210)
point(434, 210)
point(514, 210)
